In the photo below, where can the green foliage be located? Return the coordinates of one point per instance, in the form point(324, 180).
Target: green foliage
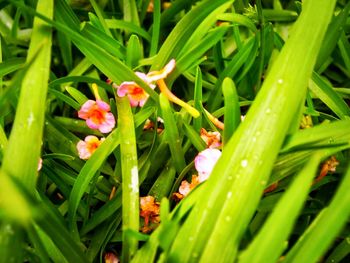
point(278, 193)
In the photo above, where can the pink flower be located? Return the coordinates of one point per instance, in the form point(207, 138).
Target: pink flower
point(135, 93)
point(161, 74)
point(87, 147)
point(97, 115)
point(205, 162)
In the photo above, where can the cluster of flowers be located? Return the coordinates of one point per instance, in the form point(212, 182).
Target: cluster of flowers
point(98, 116)
point(204, 162)
point(97, 112)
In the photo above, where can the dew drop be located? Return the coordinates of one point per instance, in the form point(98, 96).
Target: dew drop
point(280, 81)
point(228, 218)
point(30, 119)
point(244, 163)
point(268, 111)
point(229, 195)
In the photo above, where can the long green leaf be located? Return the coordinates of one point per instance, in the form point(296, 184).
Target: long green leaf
point(184, 29)
point(268, 245)
point(130, 177)
point(323, 230)
point(238, 179)
point(88, 172)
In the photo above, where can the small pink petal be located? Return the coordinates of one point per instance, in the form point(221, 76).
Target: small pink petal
point(82, 150)
point(142, 76)
point(205, 162)
point(125, 87)
point(143, 101)
point(108, 124)
point(163, 73)
point(184, 188)
point(92, 125)
point(85, 108)
point(40, 164)
point(103, 105)
point(133, 102)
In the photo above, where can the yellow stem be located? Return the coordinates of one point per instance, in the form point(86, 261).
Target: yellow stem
point(95, 91)
point(215, 121)
point(164, 89)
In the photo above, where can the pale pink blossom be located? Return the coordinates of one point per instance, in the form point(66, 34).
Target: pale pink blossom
point(137, 95)
point(87, 147)
point(161, 74)
point(97, 115)
point(205, 162)
point(40, 164)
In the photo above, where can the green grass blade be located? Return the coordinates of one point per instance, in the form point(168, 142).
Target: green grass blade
point(324, 229)
point(10, 65)
point(128, 26)
point(268, 245)
point(332, 99)
point(155, 28)
point(340, 252)
point(325, 134)
point(230, 71)
point(97, 55)
point(184, 29)
point(100, 16)
point(130, 12)
point(198, 92)
point(238, 179)
point(21, 158)
point(190, 56)
point(232, 109)
point(133, 52)
point(88, 172)
point(103, 40)
point(130, 177)
point(172, 134)
point(332, 36)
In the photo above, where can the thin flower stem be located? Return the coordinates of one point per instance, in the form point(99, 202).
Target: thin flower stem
point(164, 89)
point(95, 91)
point(215, 121)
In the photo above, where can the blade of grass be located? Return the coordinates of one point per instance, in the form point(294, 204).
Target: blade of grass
point(269, 244)
point(155, 28)
point(10, 65)
point(184, 29)
point(21, 158)
point(197, 122)
point(332, 36)
point(324, 229)
point(332, 99)
point(232, 109)
point(172, 134)
point(87, 173)
point(239, 177)
point(130, 12)
point(130, 177)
